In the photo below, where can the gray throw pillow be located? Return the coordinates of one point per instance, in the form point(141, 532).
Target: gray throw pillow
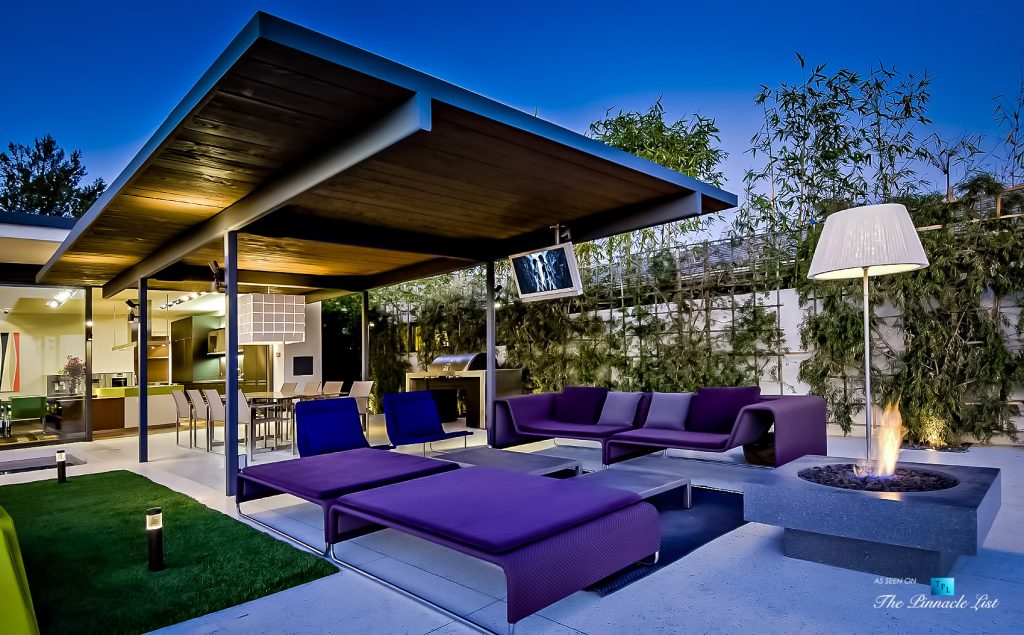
point(668, 410)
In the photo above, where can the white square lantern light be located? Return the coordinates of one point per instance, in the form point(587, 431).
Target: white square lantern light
point(265, 318)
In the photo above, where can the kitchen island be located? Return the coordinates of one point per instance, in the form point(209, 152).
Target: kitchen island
point(118, 408)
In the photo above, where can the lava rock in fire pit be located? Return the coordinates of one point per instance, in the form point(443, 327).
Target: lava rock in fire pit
point(845, 476)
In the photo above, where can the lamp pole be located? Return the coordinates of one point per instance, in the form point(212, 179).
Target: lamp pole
point(867, 369)
point(853, 240)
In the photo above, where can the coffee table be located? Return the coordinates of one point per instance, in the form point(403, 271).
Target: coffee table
point(538, 464)
point(646, 484)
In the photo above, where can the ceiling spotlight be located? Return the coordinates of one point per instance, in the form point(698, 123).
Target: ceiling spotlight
point(60, 298)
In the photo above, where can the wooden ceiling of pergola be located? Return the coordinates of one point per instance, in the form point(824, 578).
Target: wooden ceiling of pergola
point(343, 170)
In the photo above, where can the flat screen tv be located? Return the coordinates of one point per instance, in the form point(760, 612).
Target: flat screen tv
point(548, 273)
point(302, 366)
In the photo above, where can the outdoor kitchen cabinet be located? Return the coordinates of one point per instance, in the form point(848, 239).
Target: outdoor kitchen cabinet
point(190, 359)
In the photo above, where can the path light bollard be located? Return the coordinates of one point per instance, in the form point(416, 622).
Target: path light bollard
point(155, 533)
point(62, 466)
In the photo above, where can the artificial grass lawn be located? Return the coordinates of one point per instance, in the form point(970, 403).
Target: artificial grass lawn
point(84, 546)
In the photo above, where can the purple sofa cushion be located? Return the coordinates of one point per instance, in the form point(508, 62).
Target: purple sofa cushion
point(492, 510)
point(572, 430)
point(715, 409)
point(668, 410)
point(331, 475)
point(620, 408)
point(674, 438)
point(579, 404)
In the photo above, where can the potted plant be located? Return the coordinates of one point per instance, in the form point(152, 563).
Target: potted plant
point(74, 370)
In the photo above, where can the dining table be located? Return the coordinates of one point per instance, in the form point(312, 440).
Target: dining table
point(283, 403)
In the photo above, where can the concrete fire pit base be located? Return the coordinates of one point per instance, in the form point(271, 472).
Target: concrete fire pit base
point(901, 535)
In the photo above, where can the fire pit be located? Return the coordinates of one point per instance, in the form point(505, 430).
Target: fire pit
point(834, 515)
point(849, 476)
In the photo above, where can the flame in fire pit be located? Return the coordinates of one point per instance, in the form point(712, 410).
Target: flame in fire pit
point(887, 430)
point(890, 435)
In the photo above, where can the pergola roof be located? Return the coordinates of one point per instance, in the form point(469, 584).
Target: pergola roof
point(343, 170)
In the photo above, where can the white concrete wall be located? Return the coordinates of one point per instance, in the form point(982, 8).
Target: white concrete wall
point(312, 346)
point(45, 343)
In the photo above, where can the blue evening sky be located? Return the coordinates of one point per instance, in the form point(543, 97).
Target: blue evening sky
point(101, 76)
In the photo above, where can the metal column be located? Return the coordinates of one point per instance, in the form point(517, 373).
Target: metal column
point(87, 404)
point(141, 351)
point(364, 348)
point(490, 383)
point(231, 359)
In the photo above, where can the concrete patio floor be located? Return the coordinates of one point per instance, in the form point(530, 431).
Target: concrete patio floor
point(740, 582)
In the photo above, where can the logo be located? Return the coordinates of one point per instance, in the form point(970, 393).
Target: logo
point(942, 586)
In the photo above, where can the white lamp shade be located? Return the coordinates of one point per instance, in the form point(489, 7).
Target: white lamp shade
point(881, 238)
point(265, 318)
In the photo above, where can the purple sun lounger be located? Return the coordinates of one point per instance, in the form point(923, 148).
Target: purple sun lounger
point(321, 479)
point(552, 537)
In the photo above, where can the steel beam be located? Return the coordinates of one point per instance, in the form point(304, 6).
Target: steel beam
point(17, 274)
point(490, 377)
point(181, 272)
point(364, 329)
point(338, 231)
point(407, 119)
point(325, 294)
point(419, 270)
point(141, 350)
point(634, 217)
point(616, 221)
point(231, 363)
point(87, 404)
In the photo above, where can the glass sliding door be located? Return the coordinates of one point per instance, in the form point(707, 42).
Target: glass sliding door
point(43, 375)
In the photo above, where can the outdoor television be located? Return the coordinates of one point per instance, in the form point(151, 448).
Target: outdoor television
point(548, 273)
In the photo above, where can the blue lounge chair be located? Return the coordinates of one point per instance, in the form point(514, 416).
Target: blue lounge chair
point(412, 418)
point(323, 426)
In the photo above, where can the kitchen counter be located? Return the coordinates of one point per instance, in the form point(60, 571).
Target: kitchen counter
point(133, 391)
point(115, 408)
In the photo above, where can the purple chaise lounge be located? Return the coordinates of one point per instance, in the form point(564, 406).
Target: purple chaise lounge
point(321, 479)
point(551, 537)
point(633, 424)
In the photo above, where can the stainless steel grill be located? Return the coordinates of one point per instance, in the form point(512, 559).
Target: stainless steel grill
point(458, 363)
point(459, 386)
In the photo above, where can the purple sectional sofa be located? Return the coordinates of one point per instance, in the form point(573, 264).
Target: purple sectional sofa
point(633, 424)
point(551, 537)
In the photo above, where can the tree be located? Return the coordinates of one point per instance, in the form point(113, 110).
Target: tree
point(689, 146)
point(946, 154)
point(1009, 114)
point(43, 179)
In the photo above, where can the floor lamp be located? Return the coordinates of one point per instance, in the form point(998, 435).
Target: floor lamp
point(861, 242)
